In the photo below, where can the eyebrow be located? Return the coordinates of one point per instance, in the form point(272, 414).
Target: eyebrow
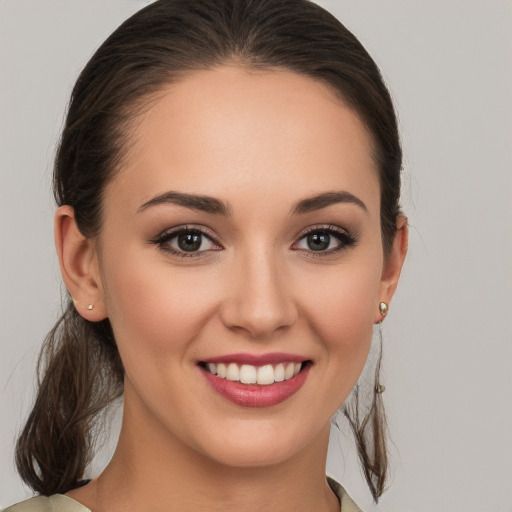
point(320, 201)
point(195, 202)
point(212, 205)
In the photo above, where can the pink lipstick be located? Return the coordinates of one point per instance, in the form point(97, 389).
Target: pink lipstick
point(256, 380)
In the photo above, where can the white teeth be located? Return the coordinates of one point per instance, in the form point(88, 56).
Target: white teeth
point(221, 370)
point(265, 375)
point(279, 373)
point(249, 374)
point(233, 372)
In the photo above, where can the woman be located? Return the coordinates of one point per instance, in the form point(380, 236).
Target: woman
point(229, 232)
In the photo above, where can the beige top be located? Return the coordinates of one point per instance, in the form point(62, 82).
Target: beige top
point(62, 503)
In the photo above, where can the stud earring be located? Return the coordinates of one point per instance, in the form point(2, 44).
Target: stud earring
point(90, 306)
point(383, 308)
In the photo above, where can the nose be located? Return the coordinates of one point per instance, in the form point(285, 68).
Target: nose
point(259, 301)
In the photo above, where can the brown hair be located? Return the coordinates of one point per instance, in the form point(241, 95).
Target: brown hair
point(80, 371)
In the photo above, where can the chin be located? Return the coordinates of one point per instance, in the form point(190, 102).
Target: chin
point(261, 445)
point(253, 457)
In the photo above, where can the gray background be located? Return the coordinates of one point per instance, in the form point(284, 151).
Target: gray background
point(448, 350)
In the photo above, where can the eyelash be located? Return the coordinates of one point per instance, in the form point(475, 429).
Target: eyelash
point(162, 241)
point(344, 239)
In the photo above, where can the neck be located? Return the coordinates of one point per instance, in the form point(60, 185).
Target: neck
point(153, 470)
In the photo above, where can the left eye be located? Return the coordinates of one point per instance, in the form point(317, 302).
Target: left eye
point(189, 242)
point(324, 240)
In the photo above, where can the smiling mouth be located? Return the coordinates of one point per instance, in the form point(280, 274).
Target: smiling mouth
point(261, 375)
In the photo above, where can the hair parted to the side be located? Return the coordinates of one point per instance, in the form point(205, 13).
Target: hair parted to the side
point(80, 369)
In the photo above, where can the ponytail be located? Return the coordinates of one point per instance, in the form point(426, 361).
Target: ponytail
point(79, 373)
point(370, 432)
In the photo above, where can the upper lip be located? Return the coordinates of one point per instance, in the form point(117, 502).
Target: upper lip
point(257, 359)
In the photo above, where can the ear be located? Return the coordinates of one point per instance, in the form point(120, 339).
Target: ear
point(78, 260)
point(393, 263)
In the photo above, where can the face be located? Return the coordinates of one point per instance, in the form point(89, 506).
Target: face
point(240, 244)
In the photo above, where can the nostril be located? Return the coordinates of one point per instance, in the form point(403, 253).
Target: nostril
point(258, 320)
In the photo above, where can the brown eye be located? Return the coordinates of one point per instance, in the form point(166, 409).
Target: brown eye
point(186, 242)
point(324, 240)
point(189, 242)
point(318, 241)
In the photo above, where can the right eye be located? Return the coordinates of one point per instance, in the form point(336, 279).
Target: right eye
point(186, 242)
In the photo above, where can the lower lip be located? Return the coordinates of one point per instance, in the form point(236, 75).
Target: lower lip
point(254, 395)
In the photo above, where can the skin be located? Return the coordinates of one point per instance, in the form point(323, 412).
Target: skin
point(259, 142)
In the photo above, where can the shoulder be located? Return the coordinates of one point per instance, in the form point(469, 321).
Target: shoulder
point(55, 503)
point(61, 503)
point(347, 504)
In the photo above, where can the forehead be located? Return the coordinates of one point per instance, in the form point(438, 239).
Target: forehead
point(229, 129)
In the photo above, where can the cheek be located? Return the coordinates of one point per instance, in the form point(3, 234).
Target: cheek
point(154, 310)
point(341, 309)
point(343, 304)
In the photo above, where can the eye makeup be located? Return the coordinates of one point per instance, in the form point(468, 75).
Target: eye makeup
point(187, 241)
point(324, 240)
point(192, 241)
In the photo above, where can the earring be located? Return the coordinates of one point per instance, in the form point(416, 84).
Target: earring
point(379, 389)
point(383, 308)
point(90, 306)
